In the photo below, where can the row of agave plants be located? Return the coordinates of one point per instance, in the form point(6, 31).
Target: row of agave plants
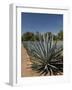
point(46, 56)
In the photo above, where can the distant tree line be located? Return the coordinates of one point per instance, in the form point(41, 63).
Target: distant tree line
point(30, 36)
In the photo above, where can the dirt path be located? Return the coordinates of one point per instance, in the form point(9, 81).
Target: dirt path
point(25, 61)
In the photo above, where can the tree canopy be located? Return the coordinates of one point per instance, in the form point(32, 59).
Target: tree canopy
point(30, 36)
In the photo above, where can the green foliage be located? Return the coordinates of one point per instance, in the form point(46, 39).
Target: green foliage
point(46, 56)
point(55, 37)
point(60, 35)
point(30, 36)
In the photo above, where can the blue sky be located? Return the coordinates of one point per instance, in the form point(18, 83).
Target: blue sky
point(36, 22)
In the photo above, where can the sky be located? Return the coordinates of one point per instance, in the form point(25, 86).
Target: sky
point(36, 22)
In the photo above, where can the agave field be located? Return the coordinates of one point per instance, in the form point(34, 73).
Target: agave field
point(46, 56)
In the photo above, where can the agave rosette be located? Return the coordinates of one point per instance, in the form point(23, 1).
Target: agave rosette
point(46, 56)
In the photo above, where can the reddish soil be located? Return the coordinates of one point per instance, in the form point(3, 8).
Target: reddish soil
point(26, 71)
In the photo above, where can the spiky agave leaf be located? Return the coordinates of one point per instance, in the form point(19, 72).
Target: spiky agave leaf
point(46, 57)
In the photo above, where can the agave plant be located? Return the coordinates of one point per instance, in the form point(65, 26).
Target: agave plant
point(46, 56)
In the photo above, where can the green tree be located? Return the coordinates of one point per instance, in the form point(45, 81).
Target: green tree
point(60, 35)
point(55, 38)
point(28, 36)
